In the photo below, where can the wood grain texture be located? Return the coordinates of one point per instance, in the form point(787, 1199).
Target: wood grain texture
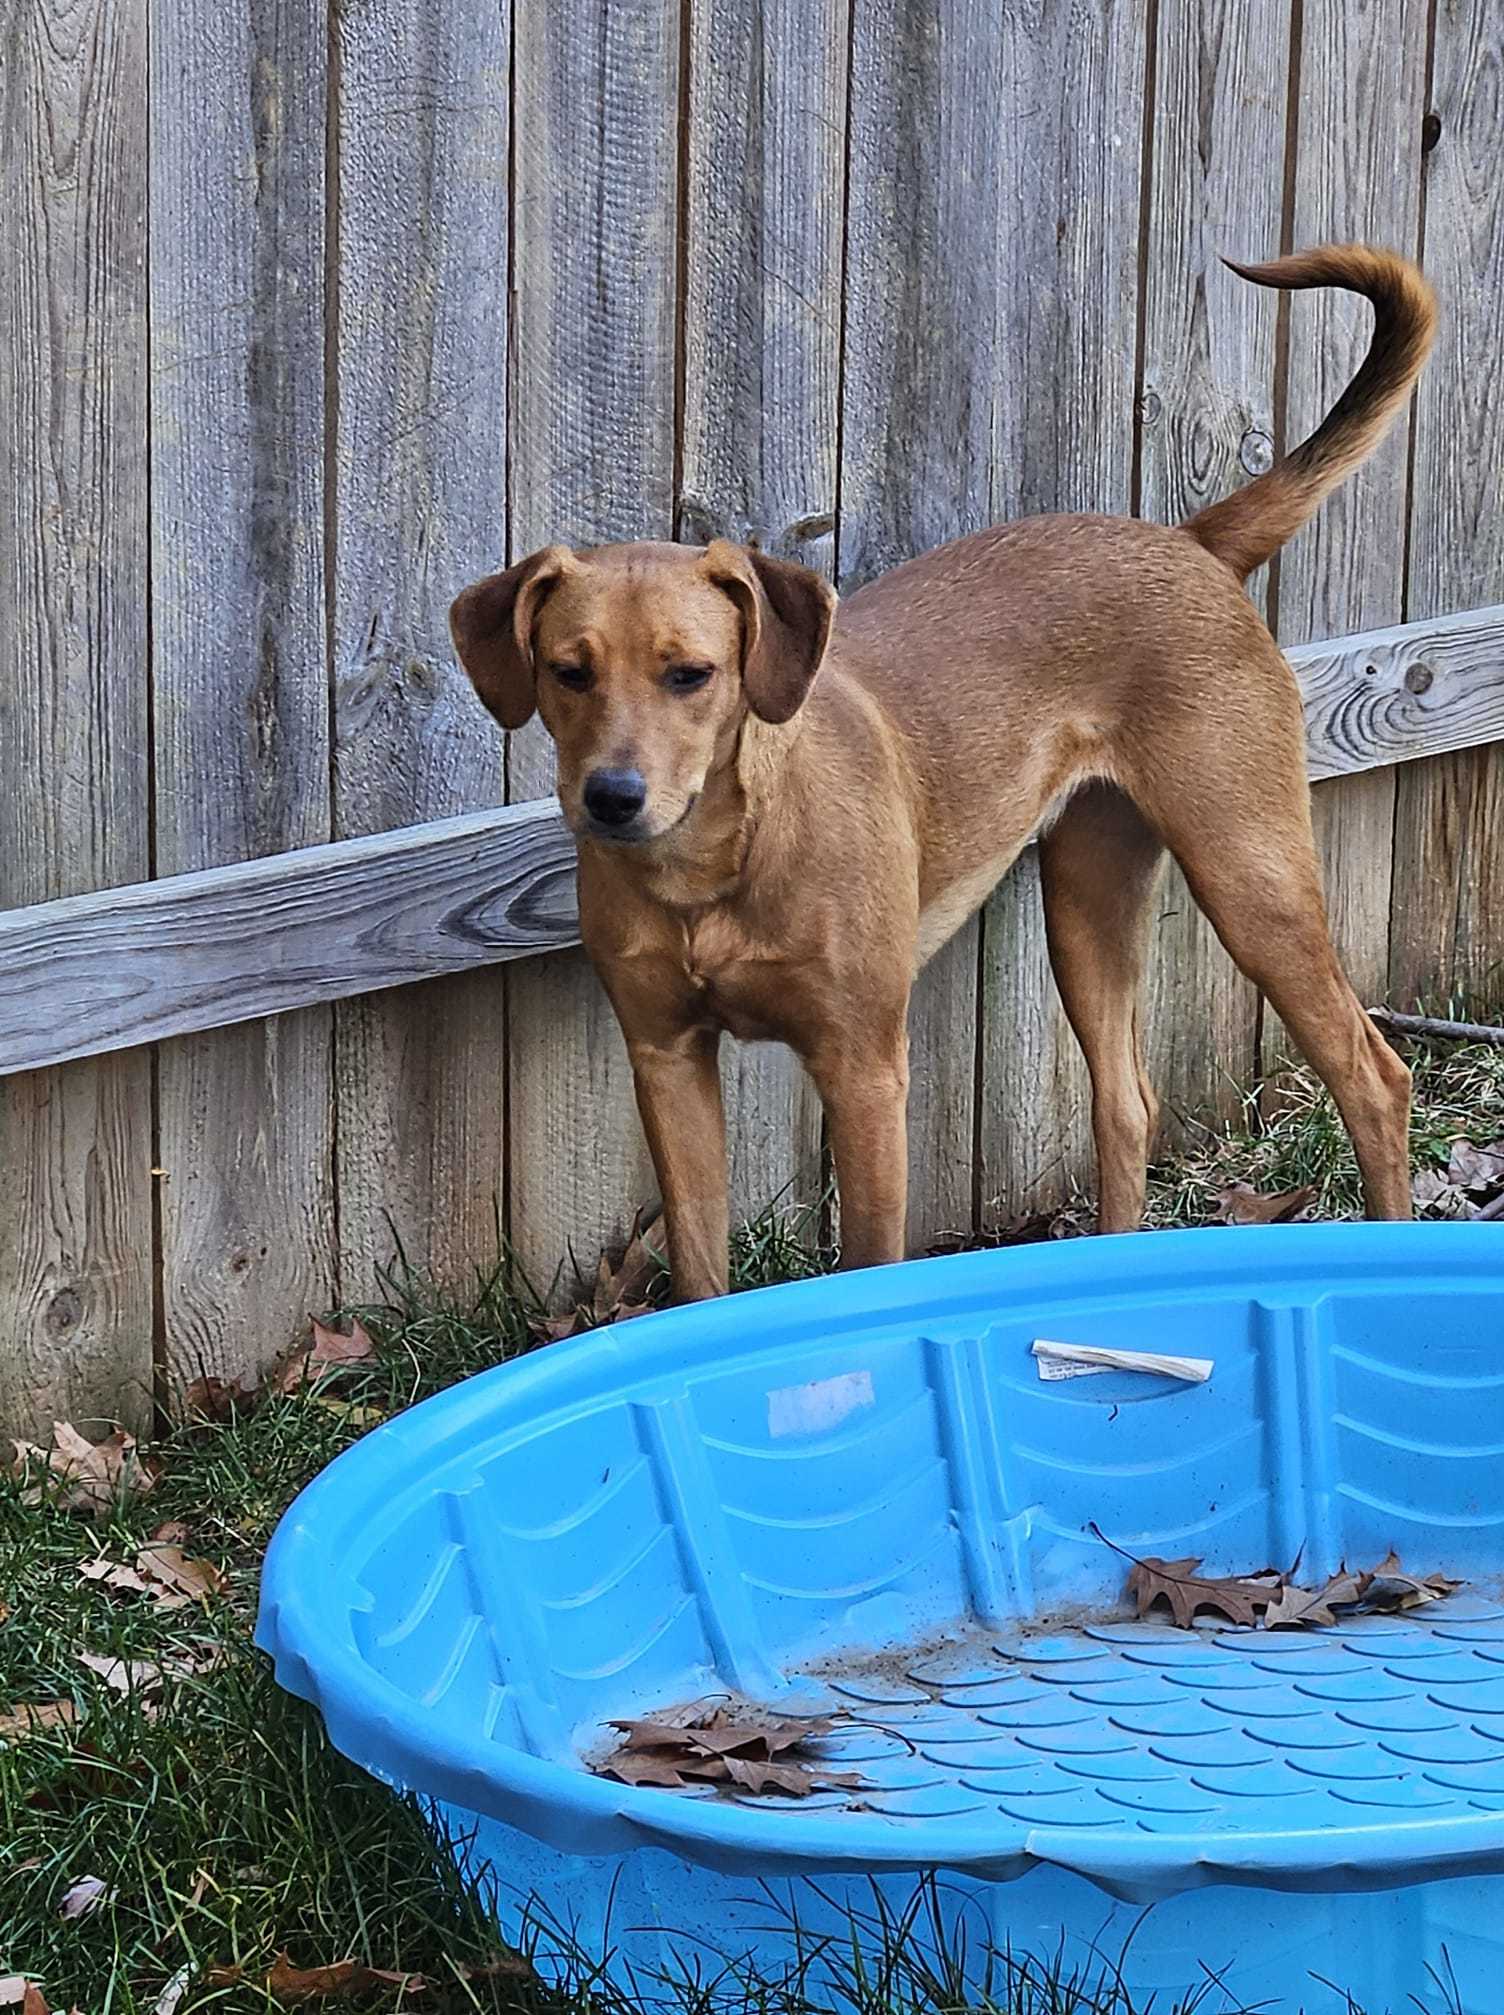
point(75, 1199)
point(761, 375)
point(420, 509)
point(245, 1116)
point(592, 458)
point(1447, 915)
point(228, 945)
point(1356, 175)
point(1069, 224)
point(919, 434)
point(1207, 425)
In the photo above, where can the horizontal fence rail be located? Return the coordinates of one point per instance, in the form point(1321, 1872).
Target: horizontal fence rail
point(134, 965)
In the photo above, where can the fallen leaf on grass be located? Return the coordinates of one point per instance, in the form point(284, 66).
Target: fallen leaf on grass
point(211, 1401)
point(620, 1292)
point(326, 1350)
point(18, 1992)
point(752, 1751)
point(124, 1675)
point(97, 1476)
point(172, 1533)
point(113, 1574)
point(171, 1570)
point(344, 1979)
point(1241, 1203)
point(1476, 1168)
point(348, 1410)
point(81, 1897)
point(35, 1717)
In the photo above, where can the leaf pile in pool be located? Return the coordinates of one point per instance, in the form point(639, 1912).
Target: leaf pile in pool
point(1273, 1601)
point(739, 1750)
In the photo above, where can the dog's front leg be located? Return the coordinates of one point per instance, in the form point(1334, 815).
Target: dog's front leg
point(866, 1095)
point(678, 1087)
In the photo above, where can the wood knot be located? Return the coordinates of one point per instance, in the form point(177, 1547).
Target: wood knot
point(64, 1312)
point(1150, 409)
point(1256, 452)
point(1420, 679)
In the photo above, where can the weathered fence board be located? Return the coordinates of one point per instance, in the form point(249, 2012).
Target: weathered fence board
point(245, 1115)
point(75, 1144)
point(1070, 231)
point(1207, 420)
point(592, 458)
point(766, 119)
point(1447, 920)
point(1357, 110)
point(420, 508)
point(918, 429)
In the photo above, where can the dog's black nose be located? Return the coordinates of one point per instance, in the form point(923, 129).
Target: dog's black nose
point(615, 797)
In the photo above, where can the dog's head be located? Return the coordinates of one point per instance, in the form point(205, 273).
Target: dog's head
point(643, 661)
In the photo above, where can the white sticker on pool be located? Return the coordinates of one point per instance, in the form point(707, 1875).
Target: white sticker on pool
point(824, 1403)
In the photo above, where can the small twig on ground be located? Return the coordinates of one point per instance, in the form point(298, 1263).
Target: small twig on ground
point(1436, 1026)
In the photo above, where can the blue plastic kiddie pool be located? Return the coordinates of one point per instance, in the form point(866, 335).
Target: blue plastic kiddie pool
point(870, 1494)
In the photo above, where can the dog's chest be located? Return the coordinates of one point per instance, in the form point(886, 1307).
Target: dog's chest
point(740, 982)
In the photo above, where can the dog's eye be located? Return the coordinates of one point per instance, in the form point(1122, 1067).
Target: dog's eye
point(687, 678)
point(576, 677)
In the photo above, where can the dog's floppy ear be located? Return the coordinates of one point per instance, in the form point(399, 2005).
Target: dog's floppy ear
point(786, 613)
point(492, 626)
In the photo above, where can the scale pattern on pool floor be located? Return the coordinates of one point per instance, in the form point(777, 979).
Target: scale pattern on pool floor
point(1136, 1725)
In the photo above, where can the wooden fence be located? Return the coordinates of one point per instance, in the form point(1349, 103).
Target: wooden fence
point(311, 317)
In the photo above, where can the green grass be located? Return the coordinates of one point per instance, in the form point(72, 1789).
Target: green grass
point(224, 1827)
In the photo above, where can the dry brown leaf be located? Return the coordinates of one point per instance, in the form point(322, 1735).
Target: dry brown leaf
point(1388, 1586)
point(124, 1675)
point(1177, 1583)
point(113, 1574)
point(1476, 1168)
point(1301, 1608)
point(348, 1410)
point(743, 1748)
point(212, 1401)
point(344, 1979)
point(171, 1569)
point(171, 1533)
point(327, 1350)
point(1241, 1203)
point(90, 1476)
point(16, 1991)
point(35, 1717)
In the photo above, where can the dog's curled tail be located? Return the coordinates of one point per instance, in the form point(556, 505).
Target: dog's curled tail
point(1251, 525)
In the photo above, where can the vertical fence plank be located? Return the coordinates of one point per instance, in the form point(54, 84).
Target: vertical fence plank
point(75, 1143)
point(592, 459)
point(918, 429)
point(1208, 422)
point(1069, 226)
point(422, 148)
point(762, 330)
point(241, 692)
point(1356, 175)
point(1447, 920)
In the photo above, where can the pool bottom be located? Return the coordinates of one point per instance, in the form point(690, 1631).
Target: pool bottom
point(641, 1920)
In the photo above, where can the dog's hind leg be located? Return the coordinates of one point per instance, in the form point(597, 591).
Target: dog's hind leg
point(1098, 868)
point(1251, 865)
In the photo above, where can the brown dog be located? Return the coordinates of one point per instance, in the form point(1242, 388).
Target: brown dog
point(775, 853)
